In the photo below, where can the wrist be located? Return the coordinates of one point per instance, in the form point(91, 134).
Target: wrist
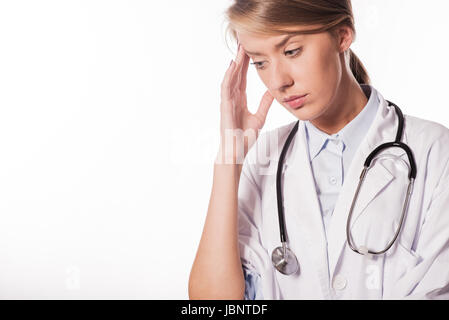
point(228, 155)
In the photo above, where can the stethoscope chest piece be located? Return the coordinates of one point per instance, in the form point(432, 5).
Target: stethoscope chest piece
point(284, 260)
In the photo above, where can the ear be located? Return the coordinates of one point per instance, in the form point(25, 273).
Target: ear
point(344, 36)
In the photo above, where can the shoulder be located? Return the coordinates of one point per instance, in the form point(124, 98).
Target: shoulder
point(426, 129)
point(429, 142)
point(261, 160)
point(269, 144)
point(427, 135)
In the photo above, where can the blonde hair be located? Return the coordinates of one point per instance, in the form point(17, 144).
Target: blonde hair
point(275, 17)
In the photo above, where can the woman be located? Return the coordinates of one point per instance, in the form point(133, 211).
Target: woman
point(302, 49)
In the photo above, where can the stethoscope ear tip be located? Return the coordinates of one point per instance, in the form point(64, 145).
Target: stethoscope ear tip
point(363, 250)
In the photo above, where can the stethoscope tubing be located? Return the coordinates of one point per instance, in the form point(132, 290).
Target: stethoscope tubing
point(279, 184)
point(396, 143)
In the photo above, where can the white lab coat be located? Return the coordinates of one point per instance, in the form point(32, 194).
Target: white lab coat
point(416, 266)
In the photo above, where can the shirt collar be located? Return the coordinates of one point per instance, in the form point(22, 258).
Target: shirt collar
point(352, 133)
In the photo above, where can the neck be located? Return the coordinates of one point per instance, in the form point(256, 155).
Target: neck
point(348, 103)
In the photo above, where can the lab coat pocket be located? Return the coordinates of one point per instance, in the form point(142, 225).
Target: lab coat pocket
point(398, 262)
point(402, 260)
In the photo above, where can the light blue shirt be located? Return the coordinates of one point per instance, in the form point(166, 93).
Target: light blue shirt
point(330, 157)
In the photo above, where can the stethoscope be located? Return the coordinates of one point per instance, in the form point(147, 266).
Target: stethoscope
point(284, 260)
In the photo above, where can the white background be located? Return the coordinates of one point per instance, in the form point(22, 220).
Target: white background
point(109, 124)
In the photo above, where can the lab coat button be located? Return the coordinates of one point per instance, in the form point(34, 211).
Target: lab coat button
point(332, 180)
point(339, 282)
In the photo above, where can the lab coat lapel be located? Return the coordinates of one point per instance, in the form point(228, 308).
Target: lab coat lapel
point(302, 205)
point(383, 129)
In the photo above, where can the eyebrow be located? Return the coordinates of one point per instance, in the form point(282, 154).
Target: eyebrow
point(277, 46)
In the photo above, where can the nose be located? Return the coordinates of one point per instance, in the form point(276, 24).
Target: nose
point(280, 78)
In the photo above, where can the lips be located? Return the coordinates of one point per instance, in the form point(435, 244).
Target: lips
point(291, 98)
point(296, 103)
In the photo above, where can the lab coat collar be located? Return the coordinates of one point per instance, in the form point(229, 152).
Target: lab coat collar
point(303, 205)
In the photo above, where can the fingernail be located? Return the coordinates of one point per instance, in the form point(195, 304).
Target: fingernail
point(230, 63)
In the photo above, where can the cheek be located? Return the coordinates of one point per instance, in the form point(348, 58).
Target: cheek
point(319, 74)
point(327, 68)
point(317, 70)
point(325, 71)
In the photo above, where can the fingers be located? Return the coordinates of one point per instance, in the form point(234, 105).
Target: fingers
point(264, 106)
point(244, 71)
point(241, 68)
point(226, 83)
point(235, 76)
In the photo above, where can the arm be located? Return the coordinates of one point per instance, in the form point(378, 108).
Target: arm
point(217, 271)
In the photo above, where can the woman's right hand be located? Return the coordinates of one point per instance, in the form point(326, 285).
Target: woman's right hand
point(239, 128)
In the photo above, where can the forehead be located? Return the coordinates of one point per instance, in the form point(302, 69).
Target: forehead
point(252, 43)
point(258, 44)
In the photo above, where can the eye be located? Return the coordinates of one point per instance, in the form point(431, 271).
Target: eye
point(258, 65)
point(295, 52)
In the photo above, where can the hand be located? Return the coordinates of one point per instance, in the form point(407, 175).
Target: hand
point(239, 128)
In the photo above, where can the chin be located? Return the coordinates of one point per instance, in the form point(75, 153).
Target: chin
point(304, 113)
point(300, 114)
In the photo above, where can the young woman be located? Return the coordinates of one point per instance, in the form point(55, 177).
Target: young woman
point(380, 234)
